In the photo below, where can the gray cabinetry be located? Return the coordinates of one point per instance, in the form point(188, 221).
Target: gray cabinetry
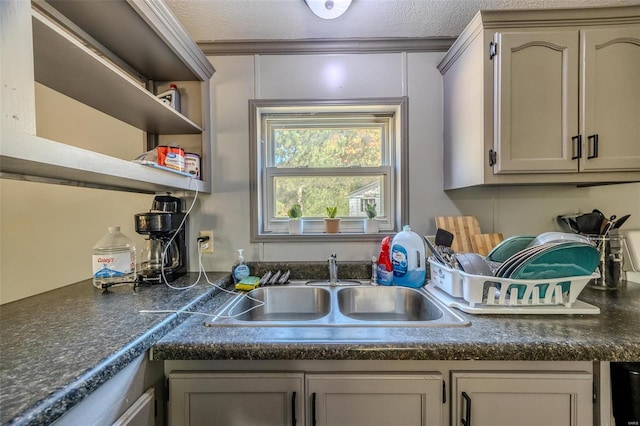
point(502, 393)
point(290, 398)
point(543, 97)
point(236, 399)
point(375, 399)
point(524, 398)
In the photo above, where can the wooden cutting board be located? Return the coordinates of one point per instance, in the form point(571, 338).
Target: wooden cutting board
point(462, 227)
point(484, 243)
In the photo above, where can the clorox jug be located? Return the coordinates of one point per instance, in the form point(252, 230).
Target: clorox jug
point(408, 256)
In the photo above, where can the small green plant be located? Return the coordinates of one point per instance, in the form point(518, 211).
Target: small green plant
point(371, 211)
point(331, 212)
point(295, 212)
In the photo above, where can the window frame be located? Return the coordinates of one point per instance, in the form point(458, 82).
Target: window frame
point(261, 175)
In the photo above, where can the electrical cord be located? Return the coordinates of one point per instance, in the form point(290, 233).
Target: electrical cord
point(173, 237)
point(201, 271)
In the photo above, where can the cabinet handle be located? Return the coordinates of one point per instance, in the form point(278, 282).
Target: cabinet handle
point(313, 409)
point(293, 410)
point(595, 146)
point(467, 420)
point(493, 158)
point(577, 147)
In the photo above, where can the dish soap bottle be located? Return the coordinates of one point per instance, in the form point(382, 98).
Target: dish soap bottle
point(384, 275)
point(114, 260)
point(240, 269)
point(408, 258)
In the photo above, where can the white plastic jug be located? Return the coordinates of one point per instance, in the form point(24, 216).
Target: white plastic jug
point(408, 256)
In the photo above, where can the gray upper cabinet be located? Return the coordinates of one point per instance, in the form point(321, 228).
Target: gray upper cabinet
point(543, 97)
point(111, 56)
point(610, 98)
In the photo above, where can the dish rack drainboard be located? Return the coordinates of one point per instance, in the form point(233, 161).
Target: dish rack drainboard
point(485, 294)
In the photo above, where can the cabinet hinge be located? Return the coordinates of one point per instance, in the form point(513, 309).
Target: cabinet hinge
point(493, 49)
point(492, 157)
point(444, 392)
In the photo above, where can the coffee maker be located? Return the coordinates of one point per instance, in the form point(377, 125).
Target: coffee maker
point(165, 250)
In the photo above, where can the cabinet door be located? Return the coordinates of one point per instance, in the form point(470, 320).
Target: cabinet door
point(536, 101)
point(525, 398)
point(610, 99)
point(229, 399)
point(374, 399)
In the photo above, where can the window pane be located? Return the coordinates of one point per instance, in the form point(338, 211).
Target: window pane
point(327, 147)
point(350, 194)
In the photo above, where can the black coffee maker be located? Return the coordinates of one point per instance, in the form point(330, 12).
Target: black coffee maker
point(165, 250)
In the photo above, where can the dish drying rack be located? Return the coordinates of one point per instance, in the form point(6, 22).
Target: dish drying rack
point(488, 294)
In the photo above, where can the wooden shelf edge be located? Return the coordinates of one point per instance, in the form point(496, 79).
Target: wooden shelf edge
point(166, 25)
point(32, 158)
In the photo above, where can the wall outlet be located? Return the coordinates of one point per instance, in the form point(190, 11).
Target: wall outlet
point(206, 246)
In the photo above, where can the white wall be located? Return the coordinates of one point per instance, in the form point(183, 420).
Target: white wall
point(47, 231)
point(509, 210)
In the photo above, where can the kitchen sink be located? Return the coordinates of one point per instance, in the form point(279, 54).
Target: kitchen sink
point(372, 303)
point(282, 304)
point(307, 304)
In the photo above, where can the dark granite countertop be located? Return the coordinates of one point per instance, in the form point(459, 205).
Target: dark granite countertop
point(58, 347)
point(611, 335)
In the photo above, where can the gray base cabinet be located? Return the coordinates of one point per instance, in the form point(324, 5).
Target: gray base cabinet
point(383, 393)
point(407, 399)
point(521, 398)
point(230, 399)
point(264, 398)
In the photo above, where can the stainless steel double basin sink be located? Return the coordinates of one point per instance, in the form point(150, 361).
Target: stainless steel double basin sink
point(309, 304)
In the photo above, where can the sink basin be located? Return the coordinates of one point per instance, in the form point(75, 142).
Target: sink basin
point(308, 304)
point(387, 304)
point(282, 304)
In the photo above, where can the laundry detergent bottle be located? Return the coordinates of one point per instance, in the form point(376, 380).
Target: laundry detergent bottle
point(408, 256)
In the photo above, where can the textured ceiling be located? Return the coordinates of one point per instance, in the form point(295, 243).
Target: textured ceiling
point(217, 20)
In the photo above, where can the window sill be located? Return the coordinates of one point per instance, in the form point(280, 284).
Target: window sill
point(320, 237)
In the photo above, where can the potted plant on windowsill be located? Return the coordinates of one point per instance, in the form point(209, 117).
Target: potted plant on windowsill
point(371, 224)
point(331, 222)
point(295, 219)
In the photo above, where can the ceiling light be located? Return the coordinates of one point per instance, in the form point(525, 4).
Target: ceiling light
point(328, 9)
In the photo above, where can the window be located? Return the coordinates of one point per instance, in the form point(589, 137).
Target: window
point(319, 154)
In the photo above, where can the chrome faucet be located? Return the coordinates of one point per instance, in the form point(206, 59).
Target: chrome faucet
point(333, 270)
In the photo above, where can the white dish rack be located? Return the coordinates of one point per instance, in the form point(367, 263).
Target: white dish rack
point(487, 294)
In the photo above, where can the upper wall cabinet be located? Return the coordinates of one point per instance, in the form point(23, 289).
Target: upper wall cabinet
point(114, 57)
point(543, 97)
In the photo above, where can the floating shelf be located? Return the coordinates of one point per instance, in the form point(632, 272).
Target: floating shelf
point(65, 65)
point(32, 158)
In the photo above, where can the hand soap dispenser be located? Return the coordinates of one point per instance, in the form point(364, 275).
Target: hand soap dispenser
point(240, 269)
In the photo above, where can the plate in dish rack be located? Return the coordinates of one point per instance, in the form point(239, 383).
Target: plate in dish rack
point(518, 258)
point(564, 260)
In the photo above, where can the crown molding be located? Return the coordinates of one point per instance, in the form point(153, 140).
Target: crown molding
point(316, 46)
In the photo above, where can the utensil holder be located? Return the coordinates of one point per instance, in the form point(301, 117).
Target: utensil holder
point(611, 262)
